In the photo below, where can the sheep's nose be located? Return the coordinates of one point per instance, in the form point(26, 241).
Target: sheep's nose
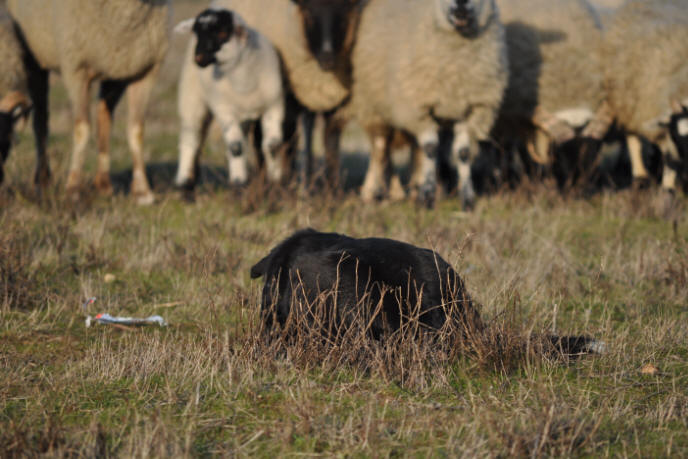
point(204, 60)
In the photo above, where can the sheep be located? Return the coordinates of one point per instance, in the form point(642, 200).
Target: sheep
point(647, 78)
point(417, 64)
point(230, 72)
point(556, 77)
point(335, 282)
point(314, 38)
point(121, 43)
point(14, 99)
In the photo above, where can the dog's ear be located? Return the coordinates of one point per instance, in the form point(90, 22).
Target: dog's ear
point(185, 26)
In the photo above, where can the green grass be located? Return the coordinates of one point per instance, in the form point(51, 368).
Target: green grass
point(610, 267)
point(201, 387)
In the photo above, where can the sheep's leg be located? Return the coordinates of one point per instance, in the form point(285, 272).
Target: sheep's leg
point(195, 117)
point(38, 90)
point(271, 124)
point(78, 84)
point(539, 148)
point(333, 130)
point(138, 93)
point(236, 156)
point(307, 126)
point(110, 94)
point(417, 172)
point(672, 164)
point(374, 185)
point(635, 151)
point(428, 141)
point(463, 151)
point(194, 129)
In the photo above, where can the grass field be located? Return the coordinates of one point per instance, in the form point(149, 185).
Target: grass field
point(610, 266)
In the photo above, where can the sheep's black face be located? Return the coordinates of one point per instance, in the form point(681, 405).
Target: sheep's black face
point(462, 15)
point(329, 26)
point(213, 28)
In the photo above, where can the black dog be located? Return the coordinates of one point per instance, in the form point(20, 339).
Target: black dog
point(387, 283)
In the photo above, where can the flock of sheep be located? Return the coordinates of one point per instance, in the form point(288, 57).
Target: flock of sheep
point(443, 76)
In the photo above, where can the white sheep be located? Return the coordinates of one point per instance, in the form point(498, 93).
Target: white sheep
point(121, 43)
point(14, 100)
point(313, 38)
point(646, 53)
point(556, 77)
point(230, 72)
point(416, 62)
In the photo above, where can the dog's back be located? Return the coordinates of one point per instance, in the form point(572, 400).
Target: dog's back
point(386, 282)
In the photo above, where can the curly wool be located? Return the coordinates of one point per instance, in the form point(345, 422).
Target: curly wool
point(647, 60)
point(114, 39)
point(407, 71)
point(553, 56)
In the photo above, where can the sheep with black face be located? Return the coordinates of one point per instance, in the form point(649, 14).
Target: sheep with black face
point(231, 72)
point(314, 39)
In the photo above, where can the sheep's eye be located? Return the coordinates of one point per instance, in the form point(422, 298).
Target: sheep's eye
point(223, 35)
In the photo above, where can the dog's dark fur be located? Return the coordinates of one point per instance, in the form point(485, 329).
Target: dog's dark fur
point(387, 282)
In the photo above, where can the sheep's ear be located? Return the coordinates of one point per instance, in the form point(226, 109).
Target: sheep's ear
point(185, 26)
point(240, 27)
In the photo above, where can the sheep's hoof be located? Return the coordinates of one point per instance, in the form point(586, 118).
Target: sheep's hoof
point(426, 196)
point(237, 183)
point(396, 190)
point(467, 198)
point(41, 177)
point(73, 182)
point(186, 189)
point(103, 184)
point(641, 183)
point(372, 193)
point(669, 204)
point(144, 199)
point(73, 186)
